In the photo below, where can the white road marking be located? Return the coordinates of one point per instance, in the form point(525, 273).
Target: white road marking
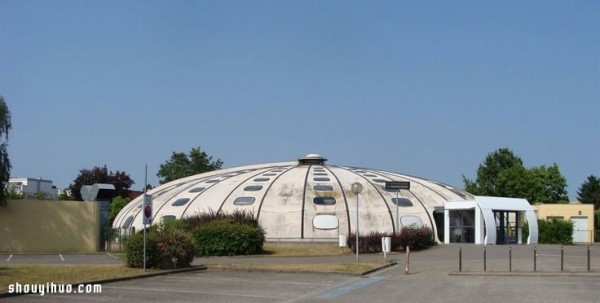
point(9, 257)
point(61, 257)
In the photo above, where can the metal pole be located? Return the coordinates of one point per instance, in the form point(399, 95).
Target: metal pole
point(397, 214)
point(510, 258)
point(357, 232)
point(144, 201)
point(588, 258)
point(407, 261)
point(460, 258)
point(534, 258)
point(484, 259)
point(562, 258)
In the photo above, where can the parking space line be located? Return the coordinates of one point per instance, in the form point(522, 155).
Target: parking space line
point(340, 291)
point(9, 257)
point(61, 257)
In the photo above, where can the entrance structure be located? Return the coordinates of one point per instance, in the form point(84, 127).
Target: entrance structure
point(489, 220)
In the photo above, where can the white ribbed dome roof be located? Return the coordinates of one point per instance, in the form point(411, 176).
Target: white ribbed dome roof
point(300, 200)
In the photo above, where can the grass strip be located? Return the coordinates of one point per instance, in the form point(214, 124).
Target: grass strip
point(349, 268)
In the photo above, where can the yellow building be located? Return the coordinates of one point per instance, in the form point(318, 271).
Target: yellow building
point(582, 216)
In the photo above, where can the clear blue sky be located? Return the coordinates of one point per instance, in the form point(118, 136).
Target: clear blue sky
point(423, 88)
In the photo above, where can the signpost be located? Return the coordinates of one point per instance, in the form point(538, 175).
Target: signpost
point(397, 186)
point(147, 214)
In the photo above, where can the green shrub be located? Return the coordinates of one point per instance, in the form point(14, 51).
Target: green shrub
point(179, 224)
point(237, 216)
point(555, 231)
point(134, 248)
point(415, 237)
point(228, 238)
point(175, 248)
point(165, 248)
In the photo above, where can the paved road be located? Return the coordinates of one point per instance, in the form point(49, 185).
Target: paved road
point(430, 281)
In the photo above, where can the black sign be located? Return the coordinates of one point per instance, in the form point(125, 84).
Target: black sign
point(397, 184)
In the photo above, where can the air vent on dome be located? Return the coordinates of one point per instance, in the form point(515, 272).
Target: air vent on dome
point(312, 159)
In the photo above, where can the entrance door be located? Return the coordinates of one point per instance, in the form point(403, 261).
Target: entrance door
point(507, 227)
point(580, 231)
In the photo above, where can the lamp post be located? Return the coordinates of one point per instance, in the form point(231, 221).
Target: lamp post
point(356, 189)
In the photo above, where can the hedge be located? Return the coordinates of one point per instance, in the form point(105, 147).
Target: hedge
point(228, 238)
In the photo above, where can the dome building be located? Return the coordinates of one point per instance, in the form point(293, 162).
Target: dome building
point(310, 200)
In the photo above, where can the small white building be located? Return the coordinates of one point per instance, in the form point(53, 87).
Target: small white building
point(32, 186)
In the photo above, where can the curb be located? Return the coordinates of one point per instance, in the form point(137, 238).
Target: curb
point(119, 279)
point(360, 274)
point(526, 274)
point(364, 273)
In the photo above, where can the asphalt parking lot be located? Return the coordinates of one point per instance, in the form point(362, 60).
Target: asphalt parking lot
point(433, 277)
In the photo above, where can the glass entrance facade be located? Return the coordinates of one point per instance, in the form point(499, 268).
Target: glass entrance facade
point(462, 226)
point(508, 227)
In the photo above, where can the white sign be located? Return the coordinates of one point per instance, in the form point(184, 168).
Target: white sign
point(147, 209)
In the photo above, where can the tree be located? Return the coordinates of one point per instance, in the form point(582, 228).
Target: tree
point(503, 174)
point(489, 173)
point(589, 192)
point(181, 165)
point(120, 180)
point(5, 126)
point(547, 185)
point(116, 204)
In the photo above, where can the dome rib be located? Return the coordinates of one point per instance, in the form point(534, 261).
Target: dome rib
point(269, 188)
point(366, 170)
point(433, 227)
point(304, 201)
point(343, 195)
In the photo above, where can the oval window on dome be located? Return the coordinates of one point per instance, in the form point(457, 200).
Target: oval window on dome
point(180, 202)
point(244, 200)
point(197, 189)
point(269, 174)
point(213, 181)
point(253, 188)
point(325, 222)
point(403, 202)
point(320, 174)
point(411, 221)
point(127, 222)
point(320, 187)
point(261, 179)
point(379, 180)
point(168, 218)
point(321, 179)
point(370, 175)
point(324, 200)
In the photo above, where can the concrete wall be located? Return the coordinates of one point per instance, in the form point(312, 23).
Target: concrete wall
point(49, 226)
